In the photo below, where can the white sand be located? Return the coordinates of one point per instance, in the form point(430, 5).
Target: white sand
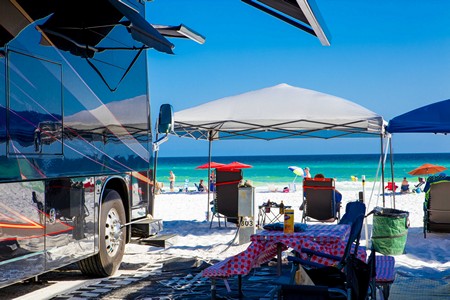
point(184, 215)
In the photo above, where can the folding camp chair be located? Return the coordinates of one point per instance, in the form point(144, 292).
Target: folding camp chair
point(348, 278)
point(216, 214)
point(437, 205)
point(227, 194)
point(199, 189)
point(319, 202)
point(354, 216)
point(391, 186)
point(356, 281)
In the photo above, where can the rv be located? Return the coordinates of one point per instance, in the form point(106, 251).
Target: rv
point(76, 177)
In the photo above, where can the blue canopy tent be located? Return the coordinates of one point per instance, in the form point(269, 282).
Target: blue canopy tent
point(432, 118)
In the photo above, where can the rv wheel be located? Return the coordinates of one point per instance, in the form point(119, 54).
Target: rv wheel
point(111, 239)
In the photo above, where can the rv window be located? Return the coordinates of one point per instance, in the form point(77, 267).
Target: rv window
point(34, 118)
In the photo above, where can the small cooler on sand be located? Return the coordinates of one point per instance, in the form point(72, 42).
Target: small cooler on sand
point(390, 230)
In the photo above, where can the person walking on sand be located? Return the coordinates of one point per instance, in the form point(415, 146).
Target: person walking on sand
point(172, 181)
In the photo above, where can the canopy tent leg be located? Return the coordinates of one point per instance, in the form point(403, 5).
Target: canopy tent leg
point(209, 176)
point(155, 166)
point(392, 169)
point(382, 169)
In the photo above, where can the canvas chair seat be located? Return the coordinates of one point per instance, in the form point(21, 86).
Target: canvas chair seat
point(320, 200)
point(437, 205)
point(227, 194)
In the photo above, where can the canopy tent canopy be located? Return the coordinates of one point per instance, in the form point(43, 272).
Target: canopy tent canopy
point(432, 118)
point(278, 112)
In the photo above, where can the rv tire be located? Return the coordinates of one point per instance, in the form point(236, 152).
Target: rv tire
point(111, 240)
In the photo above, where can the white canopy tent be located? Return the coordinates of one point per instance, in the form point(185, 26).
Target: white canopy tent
point(279, 112)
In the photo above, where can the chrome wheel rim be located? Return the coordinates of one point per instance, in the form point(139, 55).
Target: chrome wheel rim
point(113, 232)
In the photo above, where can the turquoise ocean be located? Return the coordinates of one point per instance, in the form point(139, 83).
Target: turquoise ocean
point(273, 169)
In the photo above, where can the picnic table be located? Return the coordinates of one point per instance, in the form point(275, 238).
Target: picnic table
point(268, 244)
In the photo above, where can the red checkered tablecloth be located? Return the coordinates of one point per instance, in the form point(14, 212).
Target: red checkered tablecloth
point(263, 247)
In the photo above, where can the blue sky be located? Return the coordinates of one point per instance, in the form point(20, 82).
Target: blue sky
point(388, 56)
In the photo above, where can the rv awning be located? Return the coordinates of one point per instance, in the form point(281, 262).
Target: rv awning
point(278, 112)
point(79, 26)
point(180, 31)
point(302, 14)
point(11, 22)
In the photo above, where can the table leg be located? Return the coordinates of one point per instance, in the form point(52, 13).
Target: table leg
point(240, 286)
point(279, 245)
point(213, 289)
point(260, 218)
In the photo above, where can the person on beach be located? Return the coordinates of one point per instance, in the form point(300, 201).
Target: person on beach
point(201, 186)
point(404, 188)
point(212, 180)
point(337, 194)
point(171, 180)
point(307, 173)
point(418, 187)
point(158, 187)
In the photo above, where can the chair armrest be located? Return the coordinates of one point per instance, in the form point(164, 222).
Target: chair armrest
point(321, 254)
point(297, 260)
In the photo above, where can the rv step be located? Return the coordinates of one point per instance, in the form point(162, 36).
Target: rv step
point(160, 240)
point(146, 228)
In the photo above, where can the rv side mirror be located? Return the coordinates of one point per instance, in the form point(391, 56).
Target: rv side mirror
point(165, 120)
point(164, 125)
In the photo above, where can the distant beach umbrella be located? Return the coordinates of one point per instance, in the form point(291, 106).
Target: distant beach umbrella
point(297, 171)
point(235, 165)
point(214, 165)
point(426, 169)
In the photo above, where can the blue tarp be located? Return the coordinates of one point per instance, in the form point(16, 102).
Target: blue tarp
point(433, 118)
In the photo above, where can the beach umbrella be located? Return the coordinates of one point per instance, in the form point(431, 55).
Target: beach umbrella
point(426, 169)
point(297, 171)
point(234, 166)
point(213, 165)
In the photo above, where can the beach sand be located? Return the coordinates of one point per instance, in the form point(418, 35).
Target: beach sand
point(423, 272)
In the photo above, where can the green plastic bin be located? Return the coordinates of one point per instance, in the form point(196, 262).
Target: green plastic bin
point(390, 230)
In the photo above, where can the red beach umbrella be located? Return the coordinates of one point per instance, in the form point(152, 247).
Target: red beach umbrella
point(426, 169)
point(214, 165)
point(234, 165)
